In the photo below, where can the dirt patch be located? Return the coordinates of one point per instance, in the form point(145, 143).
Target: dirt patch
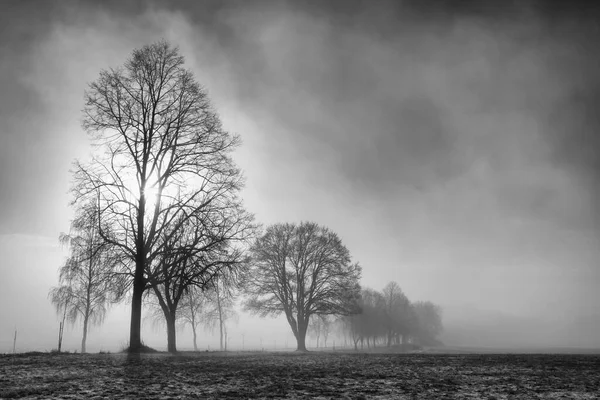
point(291, 375)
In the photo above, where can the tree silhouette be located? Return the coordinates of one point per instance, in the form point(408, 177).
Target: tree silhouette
point(301, 270)
point(396, 307)
point(191, 311)
point(161, 159)
point(87, 283)
point(198, 254)
point(390, 316)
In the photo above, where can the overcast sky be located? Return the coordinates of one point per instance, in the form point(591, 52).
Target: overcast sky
point(454, 149)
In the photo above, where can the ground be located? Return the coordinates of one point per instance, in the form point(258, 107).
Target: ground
point(293, 375)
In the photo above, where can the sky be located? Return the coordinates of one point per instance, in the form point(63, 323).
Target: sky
point(452, 145)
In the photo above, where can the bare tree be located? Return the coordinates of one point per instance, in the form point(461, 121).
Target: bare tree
point(202, 251)
point(191, 311)
point(326, 327)
point(369, 323)
point(320, 326)
point(397, 309)
point(87, 284)
point(301, 270)
point(429, 322)
point(211, 306)
point(161, 158)
point(315, 328)
point(220, 306)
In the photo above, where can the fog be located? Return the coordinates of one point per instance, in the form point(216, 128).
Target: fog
point(453, 149)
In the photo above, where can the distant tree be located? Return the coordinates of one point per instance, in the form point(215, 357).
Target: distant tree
point(354, 326)
point(87, 283)
point(397, 309)
point(218, 306)
point(326, 327)
point(301, 270)
point(429, 322)
point(222, 297)
point(369, 324)
point(191, 311)
point(315, 327)
point(320, 326)
point(161, 156)
point(374, 318)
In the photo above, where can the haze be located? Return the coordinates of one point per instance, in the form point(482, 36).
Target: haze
point(454, 150)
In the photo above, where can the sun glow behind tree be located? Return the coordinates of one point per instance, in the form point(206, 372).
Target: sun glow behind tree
point(162, 162)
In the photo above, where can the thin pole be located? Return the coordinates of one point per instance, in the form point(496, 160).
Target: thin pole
point(15, 341)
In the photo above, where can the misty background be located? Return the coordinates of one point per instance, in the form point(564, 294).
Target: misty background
point(453, 146)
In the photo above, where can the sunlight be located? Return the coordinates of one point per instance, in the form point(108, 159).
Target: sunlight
point(151, 192)
point(132, 193)
point(169, 193)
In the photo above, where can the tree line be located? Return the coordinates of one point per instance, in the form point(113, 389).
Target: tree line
point(389, 318)
point(160, 221)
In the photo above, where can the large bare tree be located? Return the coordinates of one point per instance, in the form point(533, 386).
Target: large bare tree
point(301, 270)
point(87, 284)
point(161, 158)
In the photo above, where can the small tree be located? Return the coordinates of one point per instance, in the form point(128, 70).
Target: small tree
point(191, 311)
point(87, 283)
point(301, 271)
point(220, 306)
point(326, 326)
point(315, 328)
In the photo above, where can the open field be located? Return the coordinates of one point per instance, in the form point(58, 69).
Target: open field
point(293, 375)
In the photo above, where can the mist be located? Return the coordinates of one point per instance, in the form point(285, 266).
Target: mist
point(453, 149)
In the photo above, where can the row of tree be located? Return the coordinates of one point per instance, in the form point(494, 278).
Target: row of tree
point(159, 218)
point(389, 317)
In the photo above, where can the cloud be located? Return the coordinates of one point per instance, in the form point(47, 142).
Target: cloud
point(454, 150)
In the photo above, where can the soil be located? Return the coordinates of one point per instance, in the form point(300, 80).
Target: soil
point(297, 375)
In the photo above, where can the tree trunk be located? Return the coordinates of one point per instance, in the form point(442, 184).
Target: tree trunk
point(85, 329)
point(301, 336)
point(221, 336)
point(301, 340)
point(135, 329)
point(135, 338)
point(220, 317)
point(194, 331)
point(171, 337)
point(60, 335)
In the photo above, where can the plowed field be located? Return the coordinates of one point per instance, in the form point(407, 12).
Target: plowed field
point(292, 375)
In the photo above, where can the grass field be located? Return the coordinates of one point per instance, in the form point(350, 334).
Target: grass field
point(293, 375)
